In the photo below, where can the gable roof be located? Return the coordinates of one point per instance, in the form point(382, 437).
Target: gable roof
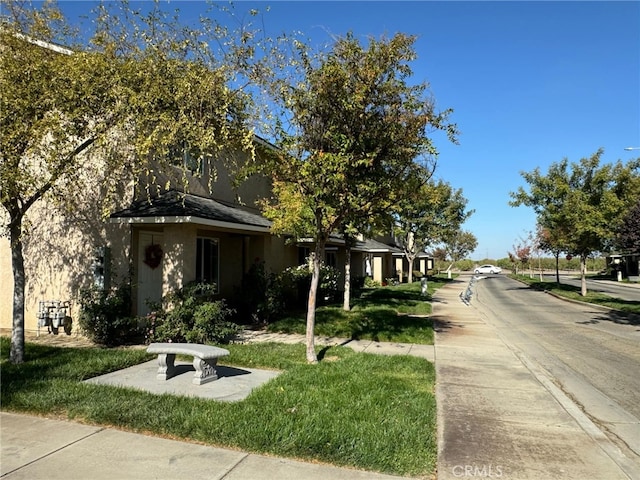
point(177, 207)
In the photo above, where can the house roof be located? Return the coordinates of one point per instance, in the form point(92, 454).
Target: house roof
point(373, 246)
point(177, 207)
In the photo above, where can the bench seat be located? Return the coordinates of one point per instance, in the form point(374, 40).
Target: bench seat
point(205, 358)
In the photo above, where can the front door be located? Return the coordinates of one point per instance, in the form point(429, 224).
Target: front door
point(150, 260)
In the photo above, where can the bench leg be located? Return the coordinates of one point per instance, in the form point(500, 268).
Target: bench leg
point(205, 370)
point(166, 367)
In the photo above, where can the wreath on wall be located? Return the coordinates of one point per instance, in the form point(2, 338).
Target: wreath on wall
point(153, 255)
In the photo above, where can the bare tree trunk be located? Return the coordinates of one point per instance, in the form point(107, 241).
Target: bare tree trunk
point(311, 304)
point(410, 259)
point(346, 305)
point(16, 354)
point(583, 275)
point(558, 268)
point(540, 267)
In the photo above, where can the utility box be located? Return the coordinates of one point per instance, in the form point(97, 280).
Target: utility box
point(423, 286)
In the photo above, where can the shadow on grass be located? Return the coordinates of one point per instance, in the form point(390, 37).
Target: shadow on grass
point(382, 325)
point(380, 314)
point(44, 364)
point(390, 297)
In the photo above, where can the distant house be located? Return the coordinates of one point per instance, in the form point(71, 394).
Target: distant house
point(624, 265)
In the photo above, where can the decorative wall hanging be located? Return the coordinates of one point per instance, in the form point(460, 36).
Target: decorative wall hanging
point(153, 255)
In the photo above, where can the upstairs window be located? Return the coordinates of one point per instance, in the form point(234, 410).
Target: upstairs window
point(183, 155)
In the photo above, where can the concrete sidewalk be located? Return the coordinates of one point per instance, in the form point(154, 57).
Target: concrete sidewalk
point(499, 417)
point(38, 448)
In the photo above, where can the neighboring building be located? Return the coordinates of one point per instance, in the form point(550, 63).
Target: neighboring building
point(626, 265)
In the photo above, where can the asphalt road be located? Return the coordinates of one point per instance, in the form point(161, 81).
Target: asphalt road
point(588, 352)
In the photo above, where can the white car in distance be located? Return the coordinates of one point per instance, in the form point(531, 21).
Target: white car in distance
point(491, 269)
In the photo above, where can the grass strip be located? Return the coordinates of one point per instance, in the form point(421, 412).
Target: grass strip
point(384, 314)
point(352, 409)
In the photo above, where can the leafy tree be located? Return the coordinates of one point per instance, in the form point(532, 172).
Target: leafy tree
point(549, 240)
point(459, 244)
point(585, 201)
point(433, 213)
point(521, 254)
point(143, 85)
point(628, 235)
point(357, 130)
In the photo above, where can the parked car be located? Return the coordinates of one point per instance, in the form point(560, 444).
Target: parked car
point(487, 269)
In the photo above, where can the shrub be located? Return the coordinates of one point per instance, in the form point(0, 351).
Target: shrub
point(371, 283)
point(264, 297)
point(105, 316)
point(465, 265)
point(259, 298)
point(300, 276)
point(191, 315)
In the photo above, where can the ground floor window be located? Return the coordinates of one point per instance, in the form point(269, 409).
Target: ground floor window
point(331, 258)
point(208, 261)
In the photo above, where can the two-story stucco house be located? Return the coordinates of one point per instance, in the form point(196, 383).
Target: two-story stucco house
point(162, 242)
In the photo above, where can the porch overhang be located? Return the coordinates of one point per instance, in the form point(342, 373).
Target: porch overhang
point(174, 207)
point(361, 246)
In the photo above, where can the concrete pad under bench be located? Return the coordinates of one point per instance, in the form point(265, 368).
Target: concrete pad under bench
point(234, 384)
point(205, 358)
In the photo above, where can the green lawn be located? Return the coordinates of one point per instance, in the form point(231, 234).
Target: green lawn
point(573, 293)
point(385, 314)
point(351, 409)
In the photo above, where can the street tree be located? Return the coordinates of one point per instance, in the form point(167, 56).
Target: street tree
point(459, 244)
point(432, 213)
point(550, 240)
point(521, 254)
point(141, 86)
point(585, 200)
point(352, 129)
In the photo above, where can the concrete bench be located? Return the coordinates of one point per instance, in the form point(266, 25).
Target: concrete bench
point(205, 358)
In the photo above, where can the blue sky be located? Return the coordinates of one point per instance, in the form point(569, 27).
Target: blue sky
point(530, 83)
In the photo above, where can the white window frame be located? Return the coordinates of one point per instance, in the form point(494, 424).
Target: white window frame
point(200, 264)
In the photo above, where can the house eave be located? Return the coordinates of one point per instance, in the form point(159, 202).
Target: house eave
point(157, 220)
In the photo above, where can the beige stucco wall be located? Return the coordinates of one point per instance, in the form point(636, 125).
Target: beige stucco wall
point(179, 262)
point(58, 248)
point(61, 232)
point(6, 284)
point(215, 182)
